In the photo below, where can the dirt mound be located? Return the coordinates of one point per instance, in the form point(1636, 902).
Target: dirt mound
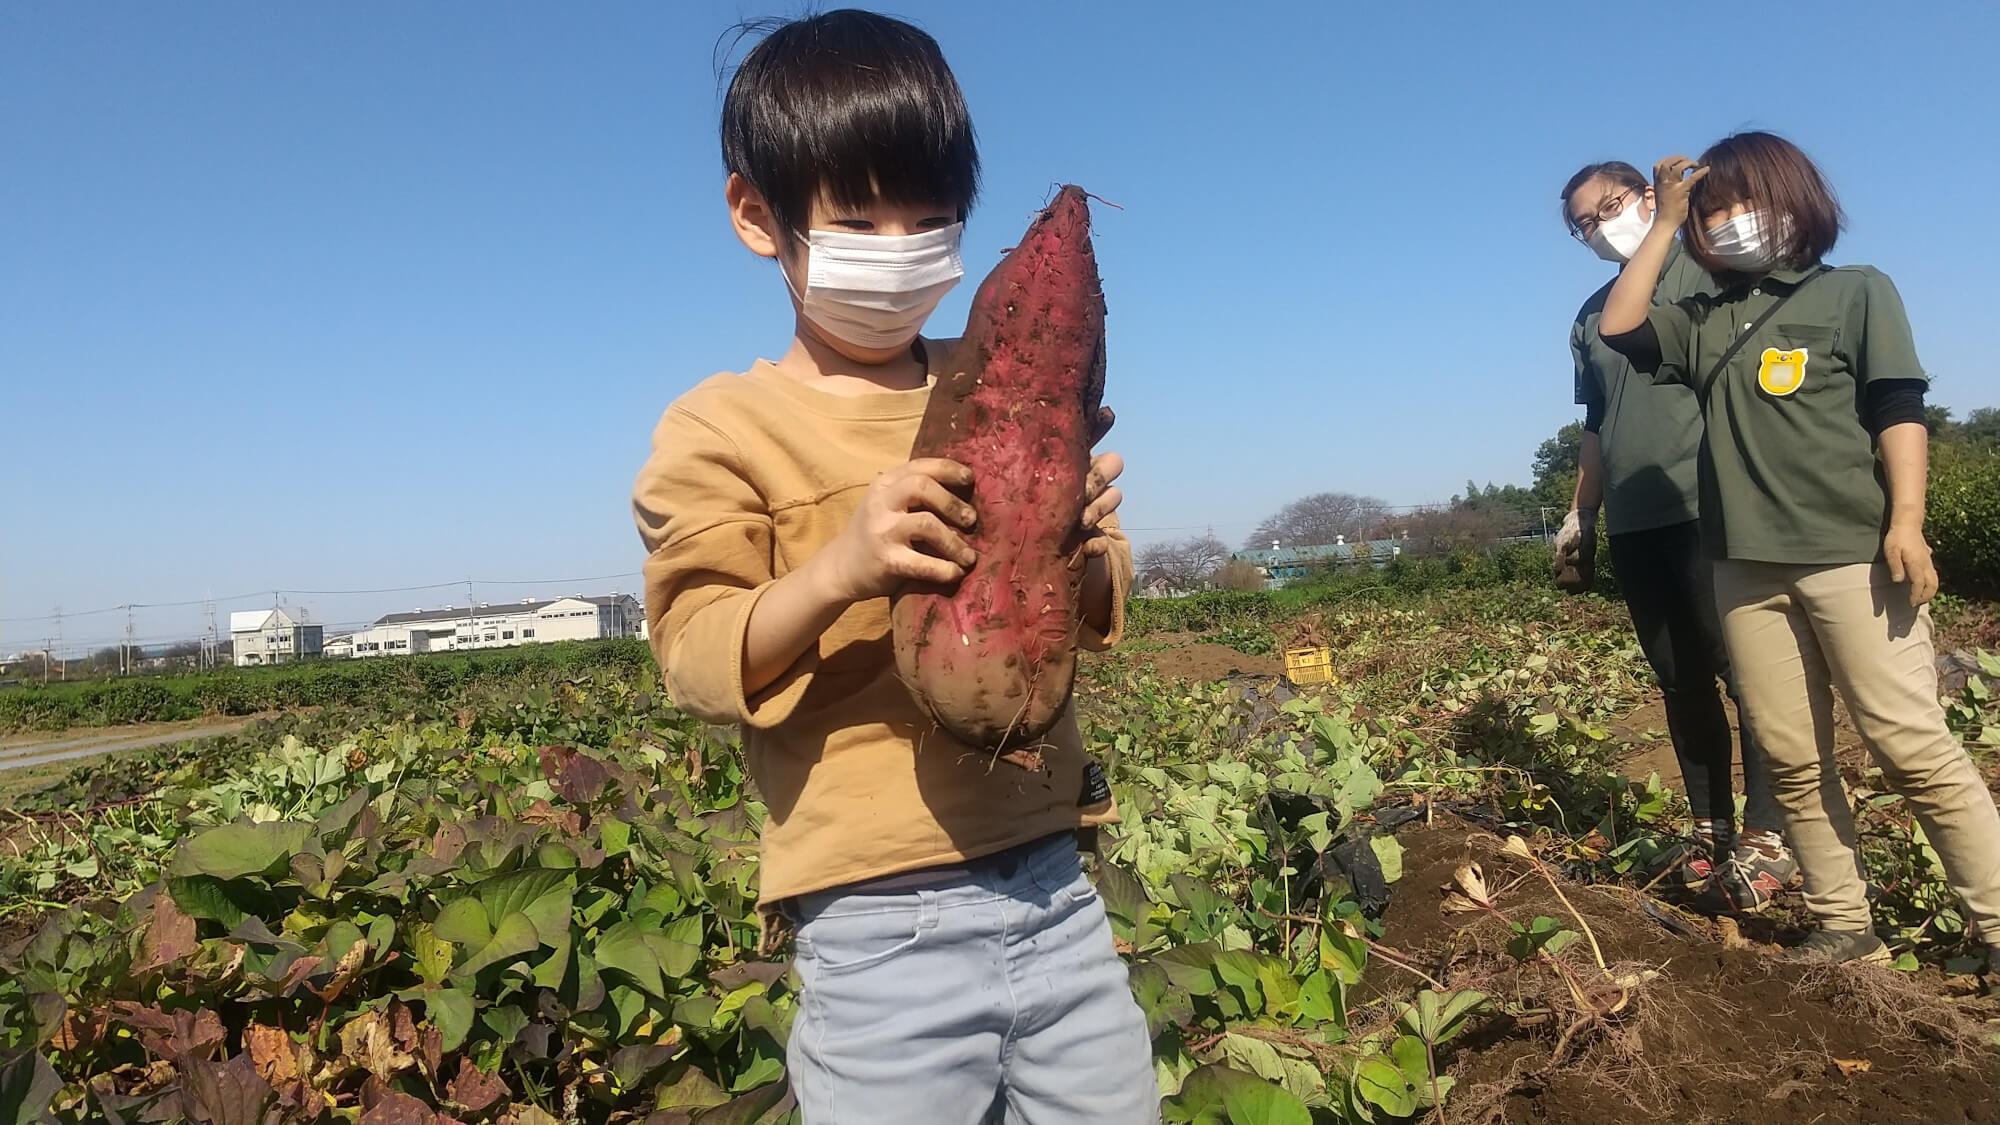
point(1719, 1035)
point(1183, 657)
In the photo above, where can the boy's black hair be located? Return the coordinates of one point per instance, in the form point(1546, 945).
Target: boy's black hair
point(854, 105)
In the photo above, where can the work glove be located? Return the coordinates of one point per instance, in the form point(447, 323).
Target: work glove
point(1576, 551)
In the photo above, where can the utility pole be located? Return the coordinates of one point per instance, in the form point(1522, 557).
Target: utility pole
point(125, 654)
point(209, 645)
point(63, 673)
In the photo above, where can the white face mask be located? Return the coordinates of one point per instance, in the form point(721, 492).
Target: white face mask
point(1742, 243)
point(874, 290)
point(1617, 239)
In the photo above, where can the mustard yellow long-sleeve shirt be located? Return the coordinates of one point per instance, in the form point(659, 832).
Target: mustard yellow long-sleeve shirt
point(750, 475)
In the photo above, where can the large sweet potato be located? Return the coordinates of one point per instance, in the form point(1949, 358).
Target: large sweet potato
point(993, 659)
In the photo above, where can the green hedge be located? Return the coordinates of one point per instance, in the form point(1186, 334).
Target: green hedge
point(1963, 521)
point(1509, 564)
point(387, 681)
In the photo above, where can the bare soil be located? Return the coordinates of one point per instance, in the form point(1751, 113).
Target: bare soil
point(1723, 1034)
point(1185, 656)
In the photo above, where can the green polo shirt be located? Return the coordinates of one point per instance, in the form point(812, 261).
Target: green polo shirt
point(1651, 432)
point(1788, 470)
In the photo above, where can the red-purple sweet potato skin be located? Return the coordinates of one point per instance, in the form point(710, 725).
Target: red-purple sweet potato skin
point(993, 659)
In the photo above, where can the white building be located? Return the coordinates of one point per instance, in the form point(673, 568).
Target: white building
point(487, 625)
point(271, 636)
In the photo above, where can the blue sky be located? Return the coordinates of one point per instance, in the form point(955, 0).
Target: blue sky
point(346, 297)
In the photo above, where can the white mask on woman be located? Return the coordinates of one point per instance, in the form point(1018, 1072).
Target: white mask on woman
point(1616, 239)
point(875, 290)
point(1742, 242)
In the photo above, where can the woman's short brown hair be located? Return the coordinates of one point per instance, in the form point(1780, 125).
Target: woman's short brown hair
point(1774, 175)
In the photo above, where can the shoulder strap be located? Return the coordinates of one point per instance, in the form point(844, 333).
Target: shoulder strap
point(1714, 373)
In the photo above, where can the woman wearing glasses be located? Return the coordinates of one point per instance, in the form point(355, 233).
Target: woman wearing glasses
point(1640, 448)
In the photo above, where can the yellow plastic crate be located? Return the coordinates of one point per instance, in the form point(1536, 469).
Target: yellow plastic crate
point(1309, 665)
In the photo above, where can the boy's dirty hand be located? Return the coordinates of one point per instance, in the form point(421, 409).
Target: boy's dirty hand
point(907, 529)
point(1100, 499)
point(1673, 180)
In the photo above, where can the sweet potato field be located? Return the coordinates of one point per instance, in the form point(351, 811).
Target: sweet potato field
point(1419, 893)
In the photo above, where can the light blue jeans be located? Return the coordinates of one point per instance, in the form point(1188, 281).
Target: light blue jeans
point(997, 997)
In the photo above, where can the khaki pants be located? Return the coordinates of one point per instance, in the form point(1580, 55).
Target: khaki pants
point(1796, 632)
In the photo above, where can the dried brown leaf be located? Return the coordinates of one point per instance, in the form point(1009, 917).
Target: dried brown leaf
point(142, 1018)
point(134, 1078)
point(344, 972)
point(430, 1049)
point(1468, 884)
point(368, 1041)
point(402, 1025)
point(173, 1035)
point(169, 935)
point(398, 1109)
point(540, 812)
point(273, 1052)
point(474, 1089)
point(231, 965)
point(1455, 903)
point(79, 1030)
point(1850, 1067)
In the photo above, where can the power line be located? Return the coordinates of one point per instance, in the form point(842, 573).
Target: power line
point(125, 606)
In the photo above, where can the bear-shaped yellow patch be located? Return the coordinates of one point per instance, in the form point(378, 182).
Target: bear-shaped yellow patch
point(1782, 372)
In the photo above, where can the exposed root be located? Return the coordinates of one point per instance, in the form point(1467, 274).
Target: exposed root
point(1629, 1055)
point(1027, 757)
point(1903, 1008)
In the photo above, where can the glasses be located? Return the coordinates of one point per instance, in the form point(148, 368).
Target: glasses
point(1582, 229)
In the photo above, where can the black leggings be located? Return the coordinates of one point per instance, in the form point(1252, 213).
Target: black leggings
point(1669, 586)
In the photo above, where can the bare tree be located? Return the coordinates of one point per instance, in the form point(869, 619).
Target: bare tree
point(1186, 564)
point(1436, 531)
point(1240, 575)
point(1318, 520)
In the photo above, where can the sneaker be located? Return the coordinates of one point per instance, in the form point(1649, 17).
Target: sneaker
point(1758, 867)
point(1840, 947)
point(1692, 866)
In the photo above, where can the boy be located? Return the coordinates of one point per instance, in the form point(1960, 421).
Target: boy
point(955, 961)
